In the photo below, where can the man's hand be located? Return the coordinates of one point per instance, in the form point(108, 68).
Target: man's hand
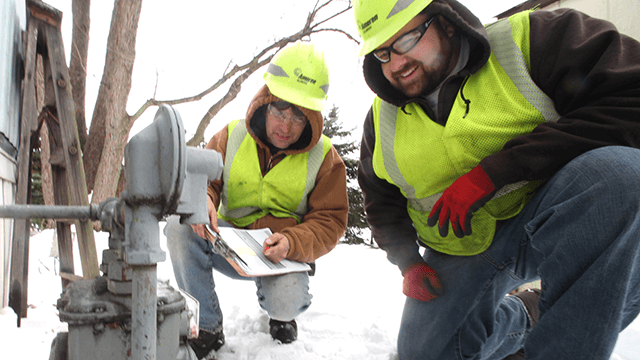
point(213, 220)
point(460, 200)
point(276, 247)
point(421, 282)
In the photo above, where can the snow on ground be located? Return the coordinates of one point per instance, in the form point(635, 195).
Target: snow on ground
point(355, 311)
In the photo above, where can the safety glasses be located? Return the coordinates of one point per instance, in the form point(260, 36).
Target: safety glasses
point(403, 44)
point(277, 109)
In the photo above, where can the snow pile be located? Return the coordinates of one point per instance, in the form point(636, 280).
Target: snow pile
point(355, 311)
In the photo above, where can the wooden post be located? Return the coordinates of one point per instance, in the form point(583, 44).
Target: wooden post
point(76, 187)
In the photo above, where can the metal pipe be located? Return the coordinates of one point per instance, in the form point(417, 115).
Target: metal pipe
point(142, 253)
point(144, 312)
point(47, 211)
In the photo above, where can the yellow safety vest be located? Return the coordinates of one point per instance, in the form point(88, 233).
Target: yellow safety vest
point(283, 191)
point(423, 158)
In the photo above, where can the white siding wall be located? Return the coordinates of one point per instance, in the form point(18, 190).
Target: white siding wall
point(624, 14)
point(7, 196)
point(12, 22)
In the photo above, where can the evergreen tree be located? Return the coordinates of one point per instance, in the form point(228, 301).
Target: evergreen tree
point(357, 222)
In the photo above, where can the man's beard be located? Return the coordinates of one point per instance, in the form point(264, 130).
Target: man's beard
point(430, 78)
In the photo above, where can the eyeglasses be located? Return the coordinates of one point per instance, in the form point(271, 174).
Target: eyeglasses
point(403, 44)
point(277, 109)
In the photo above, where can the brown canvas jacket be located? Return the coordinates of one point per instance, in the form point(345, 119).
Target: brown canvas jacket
point(325, 223)
point(590, 71)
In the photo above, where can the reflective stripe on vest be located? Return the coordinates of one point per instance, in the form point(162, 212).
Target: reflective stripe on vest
point(237, 134)
point(512, 61)
point(388, 117)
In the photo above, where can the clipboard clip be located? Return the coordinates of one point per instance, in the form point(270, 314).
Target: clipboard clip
point(220, 246)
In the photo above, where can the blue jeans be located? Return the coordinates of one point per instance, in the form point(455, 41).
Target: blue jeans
point(580, 234)
point(284, 297)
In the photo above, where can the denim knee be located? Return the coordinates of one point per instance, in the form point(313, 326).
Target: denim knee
point(284, 297)
point(618, 166)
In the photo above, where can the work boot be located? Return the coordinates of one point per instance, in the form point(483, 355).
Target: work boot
point(285, 331)
point(207, 344)
point(530, 298)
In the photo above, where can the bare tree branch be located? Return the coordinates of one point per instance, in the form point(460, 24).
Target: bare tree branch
point(242, 72)
point(235, 88)
point(339, 31)
point(333, 16)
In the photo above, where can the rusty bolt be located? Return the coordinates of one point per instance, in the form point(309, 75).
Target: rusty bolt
point(62, 83)
point(73, 150)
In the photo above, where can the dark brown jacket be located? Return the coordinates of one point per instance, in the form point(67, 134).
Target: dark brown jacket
point(590, 71)
point(325, 223)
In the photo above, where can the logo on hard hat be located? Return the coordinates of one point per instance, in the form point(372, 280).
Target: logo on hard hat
point(366, 26)
point(302, 78)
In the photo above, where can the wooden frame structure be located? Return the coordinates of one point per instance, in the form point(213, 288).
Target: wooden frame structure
point(44, 38)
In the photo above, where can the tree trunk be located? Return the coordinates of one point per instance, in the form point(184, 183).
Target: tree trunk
point(110, 125)
point(81, 10)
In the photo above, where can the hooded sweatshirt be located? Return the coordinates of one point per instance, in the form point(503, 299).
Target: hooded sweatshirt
point(589, 70)
point(326, 221)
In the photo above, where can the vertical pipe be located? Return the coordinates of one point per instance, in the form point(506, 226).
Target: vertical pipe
point(144, 313)
point(142, 254)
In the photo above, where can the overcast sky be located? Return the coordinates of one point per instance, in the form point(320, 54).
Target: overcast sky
point(186, 48)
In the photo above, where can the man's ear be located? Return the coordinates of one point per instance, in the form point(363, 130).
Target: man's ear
point(446, 26)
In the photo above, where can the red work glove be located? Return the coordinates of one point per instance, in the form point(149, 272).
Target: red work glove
point(421, 282)
point(460, 200)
